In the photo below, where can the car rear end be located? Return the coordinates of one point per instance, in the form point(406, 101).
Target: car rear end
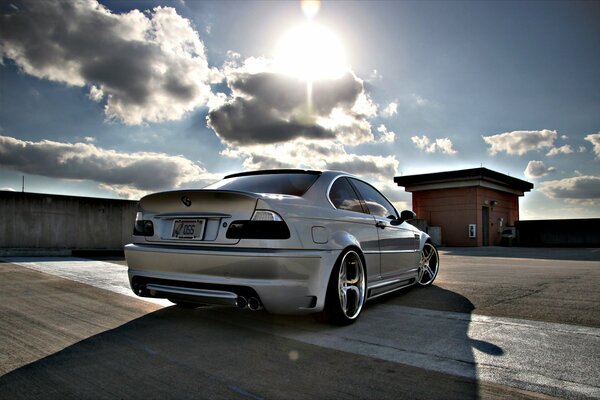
point(230, 247)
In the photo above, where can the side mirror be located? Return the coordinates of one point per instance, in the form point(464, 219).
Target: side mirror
point(405, 215)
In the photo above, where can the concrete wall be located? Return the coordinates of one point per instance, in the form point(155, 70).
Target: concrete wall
point(44, 221)
point(559, 232)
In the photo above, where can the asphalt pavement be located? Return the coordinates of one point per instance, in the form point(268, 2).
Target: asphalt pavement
point(493, 326)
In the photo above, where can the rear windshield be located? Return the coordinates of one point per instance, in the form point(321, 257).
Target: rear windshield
point(291, 184)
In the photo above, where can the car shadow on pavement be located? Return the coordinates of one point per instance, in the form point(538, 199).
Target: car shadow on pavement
point(217, 352)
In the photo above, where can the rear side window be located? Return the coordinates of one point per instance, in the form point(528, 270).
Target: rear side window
point(343, 196)
point(375, 201)
point(290, 184)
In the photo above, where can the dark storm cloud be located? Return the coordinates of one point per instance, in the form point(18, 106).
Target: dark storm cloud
point(142, 171)
point(149, 66)
point(249, 121)
point(271, 107)
point(576, 189)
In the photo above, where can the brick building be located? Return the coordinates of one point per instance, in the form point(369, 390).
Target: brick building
point(472, 206)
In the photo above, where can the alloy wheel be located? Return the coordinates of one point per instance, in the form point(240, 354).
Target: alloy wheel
point(351, 285)
point(428, 265)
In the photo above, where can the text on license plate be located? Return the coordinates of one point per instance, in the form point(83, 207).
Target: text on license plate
point(188, 229)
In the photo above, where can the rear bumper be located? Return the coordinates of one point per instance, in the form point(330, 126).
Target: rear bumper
point(286, 281)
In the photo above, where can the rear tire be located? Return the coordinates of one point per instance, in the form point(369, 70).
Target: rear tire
point(346, 290)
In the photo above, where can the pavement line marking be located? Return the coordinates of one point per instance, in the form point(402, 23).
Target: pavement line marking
point(551, 358)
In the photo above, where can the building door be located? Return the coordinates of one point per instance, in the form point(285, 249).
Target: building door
point(485, 226)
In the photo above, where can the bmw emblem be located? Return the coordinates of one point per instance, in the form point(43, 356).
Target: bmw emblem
point(186, 201)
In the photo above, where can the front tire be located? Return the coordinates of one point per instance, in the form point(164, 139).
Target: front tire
point(429, 265)
point(346, 290)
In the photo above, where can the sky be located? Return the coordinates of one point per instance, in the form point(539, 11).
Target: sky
point(122, 98)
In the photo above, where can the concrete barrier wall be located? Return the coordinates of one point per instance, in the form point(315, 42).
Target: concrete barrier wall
point(559, 232)
point(45, 221)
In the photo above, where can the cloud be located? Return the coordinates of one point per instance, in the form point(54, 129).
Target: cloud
point(96, 94)
point(582, 149)
point(441, 145)
point(390, 110)
point(575, 190)
point(537, 169)
point(420, 101)
point(594, 139)
point(270, 107)
point(303, 153)
point(121, 172)
point(520, 142)
point(149, 67)
point(386, 136)
point(566, 149)
point(269, 121)
point(375, 76)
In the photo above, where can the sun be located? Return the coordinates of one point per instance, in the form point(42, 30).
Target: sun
point(310, 52)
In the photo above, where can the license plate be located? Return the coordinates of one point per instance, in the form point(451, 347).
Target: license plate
point(188, 229)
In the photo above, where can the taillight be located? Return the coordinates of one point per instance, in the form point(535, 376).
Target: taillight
point(142, 227)
point(263, 225)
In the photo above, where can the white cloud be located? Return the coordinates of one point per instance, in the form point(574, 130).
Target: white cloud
point(582, 149)
point(566, 149)
point(520, 142)
point(386, 136)
point(441, 145)
point(575, 190)
point(96, 94)
point(537, 169)
point(303, 153)
point(149, 67)
point(594, 139)
point(390, 110)
point(564, 137)
point(420, 101)
point(132, 173)
point(8, 189)
point(375, 76)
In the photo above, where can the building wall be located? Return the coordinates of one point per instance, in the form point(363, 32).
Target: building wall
point(454, 209)
point(43, 221)
point(451, 209)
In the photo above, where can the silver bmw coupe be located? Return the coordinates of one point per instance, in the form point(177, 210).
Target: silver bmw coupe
point(288, 241)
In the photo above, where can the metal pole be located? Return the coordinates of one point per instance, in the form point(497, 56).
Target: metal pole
point(23, 184)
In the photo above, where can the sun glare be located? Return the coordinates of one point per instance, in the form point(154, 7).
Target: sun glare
point(311, 52)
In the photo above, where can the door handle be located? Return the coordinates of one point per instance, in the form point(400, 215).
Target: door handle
point(381, 224)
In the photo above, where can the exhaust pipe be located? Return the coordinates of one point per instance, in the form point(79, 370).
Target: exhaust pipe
point(139, 289)
point(254, 304)
point(241, 302)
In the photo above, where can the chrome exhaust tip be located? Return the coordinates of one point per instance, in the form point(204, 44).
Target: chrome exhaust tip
point(254, 304)
point(139, 289)
point(241, 302)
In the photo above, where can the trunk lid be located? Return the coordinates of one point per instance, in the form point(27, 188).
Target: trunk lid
point(196, 217)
